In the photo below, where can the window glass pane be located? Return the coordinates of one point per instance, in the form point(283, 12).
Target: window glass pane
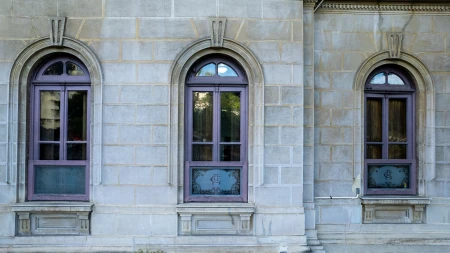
point(397, 120)
point(54, 69)
point(379, 79)
point(49, 116)
point(207, 70)
point(216, 181)
point(76, 151)
point(202, 117)
point(202, 152)
point(230, 117)
point(230, 152)
point(225, 70)
point(59, 180)
point(374, 120)
point(374, 151)
point(49, 152)
point(73, 69)
point(397, 151)
point(395, 79)
point(388, 176)
point(77, 115)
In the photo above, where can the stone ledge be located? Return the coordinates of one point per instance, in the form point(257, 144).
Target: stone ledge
point(215, 218)
point(394, 209)
point(53, 218)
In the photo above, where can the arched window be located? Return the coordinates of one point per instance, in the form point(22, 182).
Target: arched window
point(216, 131)
point(58, 165)
point(389, 132)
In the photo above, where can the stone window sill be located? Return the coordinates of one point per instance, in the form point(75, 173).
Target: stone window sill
point(394, 209)
point(215, 218)
point(53, 218)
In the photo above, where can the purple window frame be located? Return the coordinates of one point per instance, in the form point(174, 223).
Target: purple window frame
point(216, 84)
point(385, 92)
point(63, 83)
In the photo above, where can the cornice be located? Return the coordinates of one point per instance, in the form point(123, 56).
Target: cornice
point(310, 1)
point(386, 7)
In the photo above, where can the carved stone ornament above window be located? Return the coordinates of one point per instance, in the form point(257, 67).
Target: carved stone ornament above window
point(57, 29)
point(386, 7)
point(394, 209)
point(217, 30)
point(394, 41)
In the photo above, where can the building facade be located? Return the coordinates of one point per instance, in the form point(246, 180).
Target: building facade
point(224, 126)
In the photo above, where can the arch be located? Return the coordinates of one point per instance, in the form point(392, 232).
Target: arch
point(424, 111)
point(21, 72)
point(185, 60)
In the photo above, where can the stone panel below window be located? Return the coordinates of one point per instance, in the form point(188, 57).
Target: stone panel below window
point(394, 209)
point(53, 218)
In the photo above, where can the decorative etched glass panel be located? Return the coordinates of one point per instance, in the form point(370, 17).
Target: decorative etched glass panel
point(49, 152)
point(73, 69)
point(76, 151)
point(230, 152)
point(59, 180)
point(225, 70)
point(388, 176)
point(374, 120)
point(50, 116)
point(54, 69)
point(77, 116)
point(216, 180)
point(395, 79)
point(202, 152)
point(202, 117)
point(379, 78)
point(207, 70)
point(397, 120)
point(230, 117)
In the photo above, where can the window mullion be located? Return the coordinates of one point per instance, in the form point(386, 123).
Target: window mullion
point(216, 124)
point(385, 125)
point(63, 122)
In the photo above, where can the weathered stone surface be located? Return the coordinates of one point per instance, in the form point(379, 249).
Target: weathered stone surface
point(110, 28)
point(166, 28)
point(26, 8)
point(266, 51)
point(268, 30)
point(276, 9)
point(137, 8)
point(190, 8)
point(240, 8)
point(80, 8)
point(107, 50)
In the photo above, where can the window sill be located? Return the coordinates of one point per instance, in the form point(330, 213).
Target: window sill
point(215, 218)
point(53, 218)
point(394, 209)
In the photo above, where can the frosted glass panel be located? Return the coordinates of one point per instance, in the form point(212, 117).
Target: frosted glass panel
point(395, 79)
point(59, 180)
point(216, 181)
point(388, 176)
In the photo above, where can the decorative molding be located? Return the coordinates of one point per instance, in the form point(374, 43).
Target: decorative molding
point(391, 210)
point(217, 30)
point(394, 41)
point(386, 7)
point(57, 29)
point(310, 1)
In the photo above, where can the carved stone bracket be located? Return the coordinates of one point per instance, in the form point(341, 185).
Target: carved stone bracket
point(84, 223)
point(418, 213)
point(24, 224)
point(368, 213)
point(245, 222)
point(217, 30)
point(394, 41)
point(57, 28)
point(186, 220)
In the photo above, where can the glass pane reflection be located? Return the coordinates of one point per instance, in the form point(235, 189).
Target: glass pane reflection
point(395, 79)
point(216, 181)
point(59, 180)
point(378, 79)
point(54, 69)
point(388, 176)
point(50, 116)
point(207, 70)
point(76, 151)
point(230, 153)
point(397, 120)
point(374, 120)
point(73, 69)
point(202, 152)
point(202, 116)
point(49, 152)
point(230, 116)
point(225, 70)
point(77, 116)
